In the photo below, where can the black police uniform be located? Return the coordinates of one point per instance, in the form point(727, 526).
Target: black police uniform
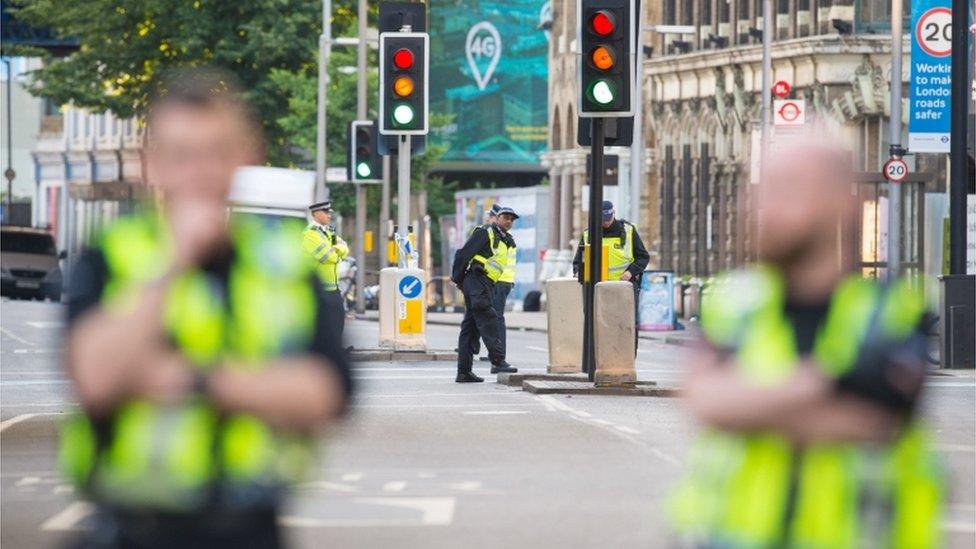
point(480, 317)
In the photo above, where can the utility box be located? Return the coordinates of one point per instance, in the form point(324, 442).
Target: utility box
point(564, 317)
point(409, 306)
point(387, 306)
point(957, 345)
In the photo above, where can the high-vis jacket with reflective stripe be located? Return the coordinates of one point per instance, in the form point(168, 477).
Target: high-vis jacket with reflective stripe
point(759, 490)
point(327, 249)
point(508, 275)
point(169, 457)
point(620, 250)
point(495, 264)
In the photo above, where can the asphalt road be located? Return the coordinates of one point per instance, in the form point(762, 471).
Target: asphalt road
point(424, 462)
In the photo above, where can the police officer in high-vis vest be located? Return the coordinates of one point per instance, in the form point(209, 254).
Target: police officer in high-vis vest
point(626, 254)
point(478, 265)
point(321, 241)
point(807, 382)
point(196, 348)
point(505, 218)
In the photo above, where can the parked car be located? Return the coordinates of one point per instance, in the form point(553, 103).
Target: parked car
point(29, 263)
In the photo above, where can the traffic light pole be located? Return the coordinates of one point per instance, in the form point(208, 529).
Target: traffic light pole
point(595, 260)
point(360, 188)
point(403, 188)
point(958, 162)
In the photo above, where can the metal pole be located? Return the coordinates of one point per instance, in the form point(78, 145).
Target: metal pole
point(361, 189)
point(894, 189)
point(383, 234)
point(958, 164)
point(10, 159)
point(767, 86)
point(325, 46)
point(595, 230)
point(403, 186)
point(637, 146)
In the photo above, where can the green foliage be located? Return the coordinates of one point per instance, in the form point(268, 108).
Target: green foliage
point(125, 44)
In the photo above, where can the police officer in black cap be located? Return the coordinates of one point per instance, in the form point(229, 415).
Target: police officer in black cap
point(477, 267)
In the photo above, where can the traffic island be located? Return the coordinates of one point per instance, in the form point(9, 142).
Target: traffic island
point(550, 387)
point(389, 355)
point(517, 379)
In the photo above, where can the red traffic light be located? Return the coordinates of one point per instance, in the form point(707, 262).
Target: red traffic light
point(602, 23)
point(403, 59)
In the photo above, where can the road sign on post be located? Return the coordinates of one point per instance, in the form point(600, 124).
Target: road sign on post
point(608, 44)
point(789, 112)
point(781, 89)
point(365, 163)
point(929, 87)
point(895, 170)
point(404, 77)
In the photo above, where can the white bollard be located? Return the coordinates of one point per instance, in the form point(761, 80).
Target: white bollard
point(614, 329)
point(564, 317)
point(388, 280)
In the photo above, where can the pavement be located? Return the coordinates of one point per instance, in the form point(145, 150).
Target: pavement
point(423, 462)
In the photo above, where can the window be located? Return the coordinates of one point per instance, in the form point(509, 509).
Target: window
point(744, 9)
point(723, 11)
point(706, 12)
point(669, 12)
point(874, 16)
point(688, 12)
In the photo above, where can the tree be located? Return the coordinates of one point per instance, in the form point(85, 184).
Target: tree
point(126, 44)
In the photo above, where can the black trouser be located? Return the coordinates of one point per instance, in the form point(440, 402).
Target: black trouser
point(480, 321)
point(502, 289)
point(148, 530)
point(333, 301)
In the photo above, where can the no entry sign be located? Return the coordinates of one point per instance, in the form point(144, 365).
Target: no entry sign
point(895, 170)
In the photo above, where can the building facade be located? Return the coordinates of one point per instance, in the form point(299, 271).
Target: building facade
point(96, 158)
point(701, 105)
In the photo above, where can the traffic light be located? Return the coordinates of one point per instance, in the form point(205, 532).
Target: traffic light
point(365, 162)
point(607, 38)
point(404, 77)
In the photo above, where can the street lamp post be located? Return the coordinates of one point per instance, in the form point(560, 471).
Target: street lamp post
point(360, 188)
point(9, 173)
point(895, 151)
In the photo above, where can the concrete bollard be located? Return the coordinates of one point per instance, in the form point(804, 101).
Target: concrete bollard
point(614, 332)
point(564, 317)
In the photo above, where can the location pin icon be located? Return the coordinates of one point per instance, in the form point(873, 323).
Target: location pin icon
point(483, 41)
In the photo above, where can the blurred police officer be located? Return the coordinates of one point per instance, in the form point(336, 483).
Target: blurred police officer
point(195, 346)
point(807, 380)
point(477, 267)
point(321, 241)
point(627, 255)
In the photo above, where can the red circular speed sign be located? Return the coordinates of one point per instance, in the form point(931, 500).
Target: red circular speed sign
point(782, 89)
point(933, 32)
point(895, 170)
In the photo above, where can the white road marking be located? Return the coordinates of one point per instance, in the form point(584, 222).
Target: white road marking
point(970, 448)
point(36, 351)
point(950, 384)
point(482, 405)
point(35, 382)
point(626, 433)
point(27, 481)
point(466, 486)
point(959, 526)
point(327, 486)
point(436, 511)
point(22, 417)
point(16, 337)
point(495, 412)
point(69, 518)
point(46, 324)
point(534, 348)
point(352, 477)
point(439, 395)
point(394, 486)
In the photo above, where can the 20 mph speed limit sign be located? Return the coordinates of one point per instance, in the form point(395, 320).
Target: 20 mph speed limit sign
point(933, 32)
point(895, 170)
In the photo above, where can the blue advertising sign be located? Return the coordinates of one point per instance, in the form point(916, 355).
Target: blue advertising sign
point(410, 286)
point(931, 76)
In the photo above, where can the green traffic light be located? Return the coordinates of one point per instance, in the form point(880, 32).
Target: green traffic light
point(362, 170)
point(403, 114)
point(602, 92)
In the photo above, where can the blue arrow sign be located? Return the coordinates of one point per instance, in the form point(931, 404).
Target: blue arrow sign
point(410, 286)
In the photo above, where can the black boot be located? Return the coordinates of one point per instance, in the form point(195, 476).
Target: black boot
point(468, 377)
point(503, 367)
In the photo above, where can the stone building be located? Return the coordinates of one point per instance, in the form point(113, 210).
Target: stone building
point(701, 110)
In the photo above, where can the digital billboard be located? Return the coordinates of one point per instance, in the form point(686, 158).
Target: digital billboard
point(489, 81)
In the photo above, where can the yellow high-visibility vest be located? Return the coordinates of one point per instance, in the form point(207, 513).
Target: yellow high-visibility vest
point(328, 249)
